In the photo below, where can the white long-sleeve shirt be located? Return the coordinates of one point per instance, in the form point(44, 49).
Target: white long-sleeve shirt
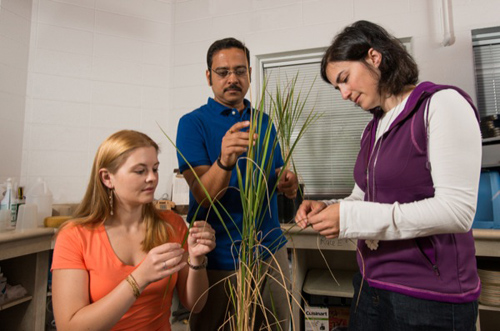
point(455, 156)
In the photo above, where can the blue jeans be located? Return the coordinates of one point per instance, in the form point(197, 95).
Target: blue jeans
point(385, 310)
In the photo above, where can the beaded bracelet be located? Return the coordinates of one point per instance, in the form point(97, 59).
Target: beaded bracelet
point(203, 265)
point(135, 287)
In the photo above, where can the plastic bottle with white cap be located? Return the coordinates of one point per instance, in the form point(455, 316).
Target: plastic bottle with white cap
point(41, 196)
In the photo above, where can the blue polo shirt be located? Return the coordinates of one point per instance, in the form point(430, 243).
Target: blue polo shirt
point(199, 138)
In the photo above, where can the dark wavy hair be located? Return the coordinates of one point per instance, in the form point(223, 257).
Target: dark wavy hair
point(225, 43)
point(221, 44)
point(397, 68)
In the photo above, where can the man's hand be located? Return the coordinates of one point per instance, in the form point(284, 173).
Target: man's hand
point(234, 143)
point(288, 184)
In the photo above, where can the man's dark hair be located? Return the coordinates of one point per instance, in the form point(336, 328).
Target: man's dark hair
point(397, 68)
point(226, 43)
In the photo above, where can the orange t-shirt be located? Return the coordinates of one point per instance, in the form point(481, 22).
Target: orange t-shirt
point(79, 247)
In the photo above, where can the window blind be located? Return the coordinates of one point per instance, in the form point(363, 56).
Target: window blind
point(486, 46)
point(324, 158)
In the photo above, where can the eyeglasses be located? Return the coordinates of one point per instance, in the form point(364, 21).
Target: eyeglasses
point(223, 73)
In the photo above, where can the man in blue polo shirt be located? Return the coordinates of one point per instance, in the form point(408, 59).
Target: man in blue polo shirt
point(212, 138)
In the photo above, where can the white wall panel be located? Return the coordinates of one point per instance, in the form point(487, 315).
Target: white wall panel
point(190, 75)
point(58, 138)
point(155, 97)
point(61, 88)
point(327, 11)
point(187, 32)
point(61, 113)
point(63, 63)
point(153, 75)
point(109, 69)
point(156, 54)
point(277, 18)
point(192, 10)
point(64, 39)
point(117, 118)
point(117, 47)
point(81, 3)
point(14, 26)
point(66, 15)
point(19, 7)
point(115, 94)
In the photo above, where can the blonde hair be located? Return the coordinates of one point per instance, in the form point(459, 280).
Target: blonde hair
point(95, 207)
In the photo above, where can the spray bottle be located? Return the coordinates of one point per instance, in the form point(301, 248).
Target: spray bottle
point(6, 202)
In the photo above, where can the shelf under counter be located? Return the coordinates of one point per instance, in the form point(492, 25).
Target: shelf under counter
point(24, 257)
point(321, 282)
point(15, 302)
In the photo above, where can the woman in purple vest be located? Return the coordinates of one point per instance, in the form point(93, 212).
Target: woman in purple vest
point(413, 204)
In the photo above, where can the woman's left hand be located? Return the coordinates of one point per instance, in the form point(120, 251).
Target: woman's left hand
point(201, 239)
point(327, 221)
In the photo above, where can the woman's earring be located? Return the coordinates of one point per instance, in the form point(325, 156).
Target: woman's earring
point(111, 202)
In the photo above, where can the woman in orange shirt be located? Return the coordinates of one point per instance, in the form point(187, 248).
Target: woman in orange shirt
point(117, 263)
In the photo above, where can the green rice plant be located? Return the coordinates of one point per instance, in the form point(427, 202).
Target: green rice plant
point(255, 194)
point(287, 110)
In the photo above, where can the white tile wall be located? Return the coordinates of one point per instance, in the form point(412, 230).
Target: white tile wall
point(285, 17)
point(192, 10)
point(109, 69)
point(14, 53)
point(156, 54)
point(189, 53)
point(58, 38)
point(12, 80)
point(11, 109)
point(21, 8)
point(194, 30)
point(66, 64)
point(327, 11)
point(13, 25)
point(66, 15)
point(81, 3)
point(61, 113)
point(62, 88)
point(155, 98)
point(97, 66)
point(115, 117)
point(367, 8)
point(15, 22)
point(117, 47)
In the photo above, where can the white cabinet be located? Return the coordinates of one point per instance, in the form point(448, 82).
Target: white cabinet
point(24, 258)
point(309, 251)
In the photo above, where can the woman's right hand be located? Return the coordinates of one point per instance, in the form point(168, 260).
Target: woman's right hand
point(307, 209)
point(161, 261)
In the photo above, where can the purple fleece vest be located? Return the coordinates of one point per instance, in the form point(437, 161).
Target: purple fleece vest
point(440, 267)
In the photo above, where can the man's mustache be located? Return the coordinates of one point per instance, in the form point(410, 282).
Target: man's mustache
point(233, 88)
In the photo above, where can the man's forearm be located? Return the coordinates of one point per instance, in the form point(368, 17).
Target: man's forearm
point(214, 179)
